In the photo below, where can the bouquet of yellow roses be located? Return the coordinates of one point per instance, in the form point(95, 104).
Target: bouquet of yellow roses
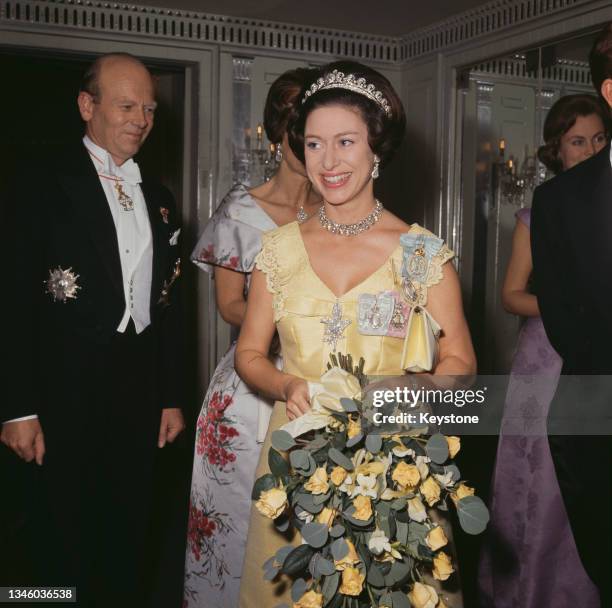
point(362, 502)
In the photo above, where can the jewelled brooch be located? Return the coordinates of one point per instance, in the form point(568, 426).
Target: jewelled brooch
point(62, 284)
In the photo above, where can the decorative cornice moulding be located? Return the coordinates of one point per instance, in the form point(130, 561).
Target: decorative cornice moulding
point(189, 26)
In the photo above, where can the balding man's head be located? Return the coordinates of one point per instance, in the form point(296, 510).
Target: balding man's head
point(117, 101)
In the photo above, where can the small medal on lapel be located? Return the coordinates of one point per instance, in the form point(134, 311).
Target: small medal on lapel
point(164, 213)
point(62, 284)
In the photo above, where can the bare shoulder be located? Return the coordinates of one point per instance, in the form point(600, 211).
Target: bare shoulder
point(393, 225)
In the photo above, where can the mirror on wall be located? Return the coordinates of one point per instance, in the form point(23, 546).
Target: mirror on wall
point(502, 104)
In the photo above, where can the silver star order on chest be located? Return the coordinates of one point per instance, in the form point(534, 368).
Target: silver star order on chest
point(334, 326)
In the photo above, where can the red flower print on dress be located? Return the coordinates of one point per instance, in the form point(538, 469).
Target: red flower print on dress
point(215, 433)
point(205, 533)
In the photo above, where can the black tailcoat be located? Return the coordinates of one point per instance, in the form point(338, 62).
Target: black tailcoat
point(571, 241)
point(98, 393)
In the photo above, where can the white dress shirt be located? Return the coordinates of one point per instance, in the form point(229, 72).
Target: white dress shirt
point(133, 233)
point(133, 236)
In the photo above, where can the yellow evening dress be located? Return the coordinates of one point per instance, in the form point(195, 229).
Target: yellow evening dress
point(306, 313)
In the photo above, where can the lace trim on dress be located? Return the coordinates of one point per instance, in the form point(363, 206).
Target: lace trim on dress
point(278, 274)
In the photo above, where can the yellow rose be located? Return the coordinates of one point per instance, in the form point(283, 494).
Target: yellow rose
point(374, 467)
point(272, 502)
point(416, 509)
point(317, 484)
point(454, 445)
point(350, 559)
point(354, 428)
point(352, 581)
point(436, 538)
point(338, 475)
point(407, 475)
point(363, 508)
point(310, 599)
point(423, 596)
point(461, 491)
point(326, 517)
point(431, 491)
point(442, 567)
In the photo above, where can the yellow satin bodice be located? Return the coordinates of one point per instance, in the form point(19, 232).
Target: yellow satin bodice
point(304, 306)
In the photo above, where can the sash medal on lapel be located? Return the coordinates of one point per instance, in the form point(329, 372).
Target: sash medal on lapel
point(62, 284)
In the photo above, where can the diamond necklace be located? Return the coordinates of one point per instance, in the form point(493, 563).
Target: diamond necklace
point(351, 229)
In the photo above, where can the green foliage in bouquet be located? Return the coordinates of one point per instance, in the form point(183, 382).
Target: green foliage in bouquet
point(362, 502)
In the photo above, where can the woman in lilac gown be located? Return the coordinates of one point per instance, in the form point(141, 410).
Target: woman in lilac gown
point(530, 558)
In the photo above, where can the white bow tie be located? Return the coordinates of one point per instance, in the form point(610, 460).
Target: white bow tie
point(129, 172)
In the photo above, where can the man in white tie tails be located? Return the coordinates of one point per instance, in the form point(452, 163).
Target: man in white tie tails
point(94, 340)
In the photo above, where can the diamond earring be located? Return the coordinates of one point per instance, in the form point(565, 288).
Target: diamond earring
point(278, 155)
point(375, 171)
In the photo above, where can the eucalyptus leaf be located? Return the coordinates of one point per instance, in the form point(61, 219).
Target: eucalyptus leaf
point(339, 549)
point(417, 532)
point(306, 501)
point(399, 571)
point(337, 530)
point(353, 441)
point(270, 573)
point(348, 405)
point(282, 441)
point(339, 458)
point(373, 443)
point(453, 469)
point(298, 589)
point(330, 586)
point(264, 483)
point(299, 459)
point(375, 577)
point(317, 443)
point(402, 532)
point(315, 534)
point(297, 561)
point(473, 514)
point(400, 600)
point(386, 600)
point(324, 567)
point(278, 465)
point(398, 504)
point(282, 553)
point(319, 499)
point(437, 448)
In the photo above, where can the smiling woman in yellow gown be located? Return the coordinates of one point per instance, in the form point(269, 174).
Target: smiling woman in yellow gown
point(323, 284)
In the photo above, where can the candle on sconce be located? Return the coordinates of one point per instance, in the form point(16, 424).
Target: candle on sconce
point(502, 147)
point(259, 130)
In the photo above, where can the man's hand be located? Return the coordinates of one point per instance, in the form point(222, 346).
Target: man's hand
point(172, 424)
point(25, 438)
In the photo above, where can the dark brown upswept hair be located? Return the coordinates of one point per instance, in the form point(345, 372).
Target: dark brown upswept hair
point(90, 82)
point(600, 58)
point(561, 118)
point(385, 133)
point(282, 101)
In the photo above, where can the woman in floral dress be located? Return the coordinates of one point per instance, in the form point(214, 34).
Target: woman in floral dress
point(233, 419)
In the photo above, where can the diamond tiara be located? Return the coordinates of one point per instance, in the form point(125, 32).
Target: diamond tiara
point(337, 80)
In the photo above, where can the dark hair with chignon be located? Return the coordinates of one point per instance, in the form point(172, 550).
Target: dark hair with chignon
point(90, 82)
point(385, 133)
point(600, 58)
point(282, 101)
point(561, 118)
